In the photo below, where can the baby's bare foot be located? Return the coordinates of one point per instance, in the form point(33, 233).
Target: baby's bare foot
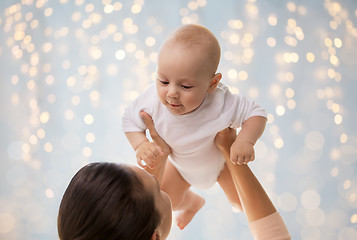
point(184, 217)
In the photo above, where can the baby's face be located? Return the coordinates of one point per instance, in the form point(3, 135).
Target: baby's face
point(183, 78)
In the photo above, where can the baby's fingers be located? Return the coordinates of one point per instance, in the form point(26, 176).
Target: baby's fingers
point(141, 162)
point(154, 151)
point(144, 160)
point(248, 159)
point(252, 157)
point(158, 152)
point(236, 160)
point(241, 160)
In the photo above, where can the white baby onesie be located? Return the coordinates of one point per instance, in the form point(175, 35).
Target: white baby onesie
point(191, 136)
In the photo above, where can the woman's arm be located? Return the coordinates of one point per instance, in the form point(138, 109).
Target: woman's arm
point(165, 148)
point(255, 201)
point(264, 221)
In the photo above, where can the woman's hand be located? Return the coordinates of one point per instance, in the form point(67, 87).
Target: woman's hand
point(158, 141)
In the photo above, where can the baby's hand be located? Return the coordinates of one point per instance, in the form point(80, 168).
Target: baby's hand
point(149, 153)
point(242, 152)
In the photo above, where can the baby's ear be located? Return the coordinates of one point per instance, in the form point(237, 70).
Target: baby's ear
point(214, 82)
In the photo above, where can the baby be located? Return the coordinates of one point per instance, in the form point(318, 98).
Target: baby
point(189, 106)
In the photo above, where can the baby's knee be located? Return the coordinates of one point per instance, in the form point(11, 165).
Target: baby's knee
point(176, 198)
point(237, 206)
point(235, 202)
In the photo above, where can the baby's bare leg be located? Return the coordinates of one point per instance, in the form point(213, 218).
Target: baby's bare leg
point(226, 182)
point(186, 202)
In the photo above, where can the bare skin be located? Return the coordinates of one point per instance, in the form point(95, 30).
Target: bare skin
point(162, 149)
point(186, 74)
point(184, 201)
point(190, 203)
point(255, 201)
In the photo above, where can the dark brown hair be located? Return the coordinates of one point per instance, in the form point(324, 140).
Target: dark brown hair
point(106, 201)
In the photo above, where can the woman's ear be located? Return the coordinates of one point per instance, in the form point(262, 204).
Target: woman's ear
point(155, 236)
point(214, 82)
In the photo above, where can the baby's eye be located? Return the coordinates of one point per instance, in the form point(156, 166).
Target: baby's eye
point(186, 87)
point(163, 82)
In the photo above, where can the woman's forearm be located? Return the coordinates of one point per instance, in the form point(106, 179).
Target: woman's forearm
point(256, 203)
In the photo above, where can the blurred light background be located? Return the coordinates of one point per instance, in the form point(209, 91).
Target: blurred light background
point(69, 68)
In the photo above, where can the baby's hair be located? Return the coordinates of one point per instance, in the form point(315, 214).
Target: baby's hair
point(194, 35)
point(197, 36)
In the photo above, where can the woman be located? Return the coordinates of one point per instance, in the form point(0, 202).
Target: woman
point(113, 201)
point(118, 201)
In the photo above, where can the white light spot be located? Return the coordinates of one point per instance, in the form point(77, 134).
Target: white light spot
point(314, 140)
point(310, 199)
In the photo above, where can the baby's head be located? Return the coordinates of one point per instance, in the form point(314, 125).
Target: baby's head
point(187, 65)
point(197, 41)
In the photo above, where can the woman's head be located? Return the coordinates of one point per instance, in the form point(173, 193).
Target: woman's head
point(113, 201)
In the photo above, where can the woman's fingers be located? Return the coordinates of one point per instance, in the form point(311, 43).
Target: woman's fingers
point(162, 146)
point(149, 123)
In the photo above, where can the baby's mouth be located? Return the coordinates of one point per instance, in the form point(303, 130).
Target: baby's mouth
point(174, 105)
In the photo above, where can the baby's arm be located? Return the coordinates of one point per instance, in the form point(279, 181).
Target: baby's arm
point(146, 151)
point(242, 150)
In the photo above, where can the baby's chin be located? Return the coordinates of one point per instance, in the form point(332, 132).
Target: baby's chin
point(175, 112)
point(178, 112)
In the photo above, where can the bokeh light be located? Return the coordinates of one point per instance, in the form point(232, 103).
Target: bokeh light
point(69, 68)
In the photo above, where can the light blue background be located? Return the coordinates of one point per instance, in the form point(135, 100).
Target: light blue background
point(63, 63)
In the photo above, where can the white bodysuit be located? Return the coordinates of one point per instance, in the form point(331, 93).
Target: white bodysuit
point(191, 136)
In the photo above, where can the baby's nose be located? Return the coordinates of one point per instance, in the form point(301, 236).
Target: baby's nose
point(173, 92)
